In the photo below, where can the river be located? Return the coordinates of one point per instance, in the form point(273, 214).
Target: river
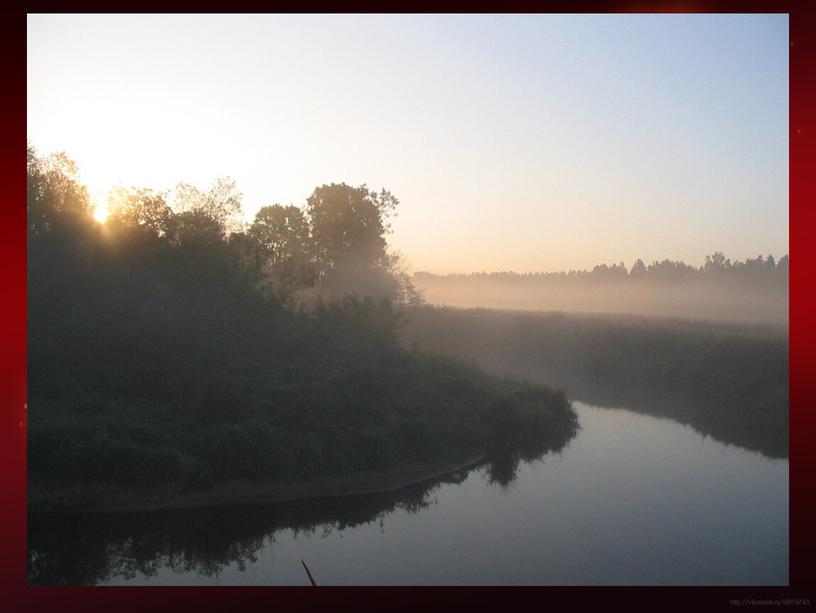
point(631, 500)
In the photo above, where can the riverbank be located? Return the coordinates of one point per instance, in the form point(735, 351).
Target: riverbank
point(95, 497)
point(726, 380)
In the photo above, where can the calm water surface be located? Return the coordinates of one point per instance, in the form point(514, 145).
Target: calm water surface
point(632, 499)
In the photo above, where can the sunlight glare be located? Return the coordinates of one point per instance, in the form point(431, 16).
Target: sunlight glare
point(100, 213)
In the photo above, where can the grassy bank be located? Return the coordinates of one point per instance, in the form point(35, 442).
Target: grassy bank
point(407, 407)
point(728, 381)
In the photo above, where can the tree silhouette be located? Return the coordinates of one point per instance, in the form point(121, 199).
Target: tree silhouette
point(195, 228)
point(54, 194)
point(141, 207)
point(638, 269)
point(347, 224)
point(221, 201)
point(282, 234)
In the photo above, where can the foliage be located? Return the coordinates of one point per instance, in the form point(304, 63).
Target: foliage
point(348, 226)
point(281, 234)
point(156, 352)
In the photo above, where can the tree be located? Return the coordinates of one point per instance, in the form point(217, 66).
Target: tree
point(282, 234)
point(142, 208)
point(716, 262)
point(54, 193)
point(247, 255)
point(638, 269)
point(783, 265)
point(221, 201)
point(348, 224)
point(195, 228)
point(404, 291)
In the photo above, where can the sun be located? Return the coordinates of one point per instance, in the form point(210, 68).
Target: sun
point(101, 213)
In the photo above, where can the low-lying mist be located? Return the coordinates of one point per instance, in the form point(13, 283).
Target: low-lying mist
point(750, 291)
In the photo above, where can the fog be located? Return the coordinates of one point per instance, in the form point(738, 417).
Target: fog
point(702, 296)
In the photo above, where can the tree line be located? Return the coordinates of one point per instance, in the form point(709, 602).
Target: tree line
point(173, 342)
point(760, 271)
point(335, 244)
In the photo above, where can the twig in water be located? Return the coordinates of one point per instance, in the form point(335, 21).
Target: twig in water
point(312, 581)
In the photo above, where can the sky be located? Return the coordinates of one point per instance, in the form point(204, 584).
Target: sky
point(514, 142)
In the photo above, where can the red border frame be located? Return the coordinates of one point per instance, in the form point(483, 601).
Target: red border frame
point(13, 556)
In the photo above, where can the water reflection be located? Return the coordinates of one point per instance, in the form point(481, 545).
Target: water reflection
point(693, 404)
point(92, 548)
point(630, 500)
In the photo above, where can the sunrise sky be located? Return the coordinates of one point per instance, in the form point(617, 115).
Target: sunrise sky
point(523, 142)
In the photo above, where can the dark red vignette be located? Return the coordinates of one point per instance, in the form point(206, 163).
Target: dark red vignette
point(18, 596)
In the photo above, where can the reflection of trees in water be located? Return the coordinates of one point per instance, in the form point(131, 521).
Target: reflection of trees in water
point(503, 469)
point(91, 548)
point(732, 421)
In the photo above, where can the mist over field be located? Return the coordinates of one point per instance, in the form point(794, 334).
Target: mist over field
point(755, 290)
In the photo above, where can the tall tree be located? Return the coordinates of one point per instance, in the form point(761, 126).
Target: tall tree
point(54, 194)
point(349, 224)
point(638, 269)
point(282, 234)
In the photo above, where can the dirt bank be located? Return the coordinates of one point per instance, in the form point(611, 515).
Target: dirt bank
point(96, 497)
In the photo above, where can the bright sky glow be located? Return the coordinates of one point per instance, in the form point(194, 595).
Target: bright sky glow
point(101, 212)
point(523, 142)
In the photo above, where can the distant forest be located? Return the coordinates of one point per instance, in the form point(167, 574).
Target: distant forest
point(717, 268)
point(753, 290)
